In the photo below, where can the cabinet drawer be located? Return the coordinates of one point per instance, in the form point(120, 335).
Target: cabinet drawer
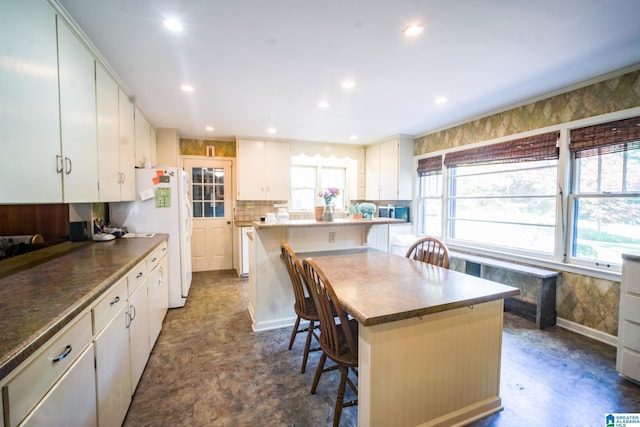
point(630, 308)
point(631, 335)
point(24, 391)
point(630, 366)
point(137, 276)
point(109, 305)
point(631, 277)
point(163, 249)
point(153, 260)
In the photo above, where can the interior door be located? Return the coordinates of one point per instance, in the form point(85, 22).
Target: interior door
point(211, 240)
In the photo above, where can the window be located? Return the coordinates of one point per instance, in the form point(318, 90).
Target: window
point(605, 201)
point(207, 186)
point(308, 181)
point(509, 205)
point(504, 195)
point(430, 196)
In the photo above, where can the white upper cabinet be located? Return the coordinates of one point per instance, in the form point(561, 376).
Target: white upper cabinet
point(144, 146)
point(29, 108)
point(77, 118)
point(127, 147)
point(115, 166)
point(389, 175)
point(264, 170)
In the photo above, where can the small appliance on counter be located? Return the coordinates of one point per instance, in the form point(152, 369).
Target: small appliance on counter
point(397, 212)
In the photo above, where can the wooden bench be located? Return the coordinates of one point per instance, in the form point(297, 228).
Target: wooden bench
point(537, 299)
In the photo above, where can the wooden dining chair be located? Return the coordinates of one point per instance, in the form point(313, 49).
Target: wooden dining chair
point(431, 251)
point(338, 336)
point(303, 306)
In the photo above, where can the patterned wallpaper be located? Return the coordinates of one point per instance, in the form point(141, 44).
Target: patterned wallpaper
point(585, 300)
point(605, 97)
point(198, 147)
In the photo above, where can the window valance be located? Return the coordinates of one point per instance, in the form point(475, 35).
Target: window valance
point(604, 138)
point(529, 149)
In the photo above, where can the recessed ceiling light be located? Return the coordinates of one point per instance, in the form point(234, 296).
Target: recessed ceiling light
point(173, 25)
point(441, 100)
point(353, 137)
point(272, 130)
point(412, 30)
point(209, 128)
point(187, 88)
point(348, 84)
point(323, 104)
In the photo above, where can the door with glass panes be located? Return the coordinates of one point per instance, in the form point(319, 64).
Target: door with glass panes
point(211, 241)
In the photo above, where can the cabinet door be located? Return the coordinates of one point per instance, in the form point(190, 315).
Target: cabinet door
point(77, 118)
point(138, 333)
point(278, 171)
point(372, 187)
point(251, 170)
point(108, 135)
point(158, 299)
point(29, 113)
point(389, 170)
point(142, 139)
point(72, 400)
point(127, 147)
point(113, 375)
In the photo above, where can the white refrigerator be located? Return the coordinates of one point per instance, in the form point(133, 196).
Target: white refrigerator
point(162, 205)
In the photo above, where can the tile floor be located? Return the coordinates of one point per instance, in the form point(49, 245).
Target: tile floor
point(209, 369)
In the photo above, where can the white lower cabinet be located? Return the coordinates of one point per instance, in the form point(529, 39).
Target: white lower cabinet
point(71, 402)
point(113, 370)
point(138, 332)
point(85, 375)
point(158, 283)
point(41, 373)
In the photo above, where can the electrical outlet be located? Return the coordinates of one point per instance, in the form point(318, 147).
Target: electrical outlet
point(250, 205)
point(332, 237)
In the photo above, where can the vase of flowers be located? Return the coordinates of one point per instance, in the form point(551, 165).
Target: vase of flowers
point(328, 195)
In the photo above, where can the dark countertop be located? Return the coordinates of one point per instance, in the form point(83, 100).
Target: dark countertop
point(376, 287)
point(45, 290)
point(299, 223)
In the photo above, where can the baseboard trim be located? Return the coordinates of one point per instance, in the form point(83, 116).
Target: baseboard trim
point(587, 331)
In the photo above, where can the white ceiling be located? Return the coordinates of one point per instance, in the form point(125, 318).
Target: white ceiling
point(257, 64)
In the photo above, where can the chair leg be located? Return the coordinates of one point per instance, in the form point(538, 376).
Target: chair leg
point(294, 332)
point(307, 345)
point(319, 370)
point(344, 372)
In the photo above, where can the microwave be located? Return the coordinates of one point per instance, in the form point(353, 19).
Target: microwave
point(398, 212)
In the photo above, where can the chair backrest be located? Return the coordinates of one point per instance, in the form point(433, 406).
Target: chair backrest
point(431, 251)
point(298, 281)
point(328, 306)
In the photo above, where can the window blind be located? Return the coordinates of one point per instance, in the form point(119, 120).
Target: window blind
point(429, 165)
point(605, 138)
point(529, 149)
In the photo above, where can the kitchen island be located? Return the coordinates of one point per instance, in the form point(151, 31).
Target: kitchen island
point(270, 293)
point(429, 339)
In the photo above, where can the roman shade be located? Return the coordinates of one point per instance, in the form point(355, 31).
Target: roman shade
point(429, 165)
point(605, 138)
point(529, 149)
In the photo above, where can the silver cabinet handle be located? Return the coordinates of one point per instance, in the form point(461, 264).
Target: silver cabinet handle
point(139, 275)
point(115, 301)
point(64, 354)
point(68, 164)
point(59, 163)
point(133, 316)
